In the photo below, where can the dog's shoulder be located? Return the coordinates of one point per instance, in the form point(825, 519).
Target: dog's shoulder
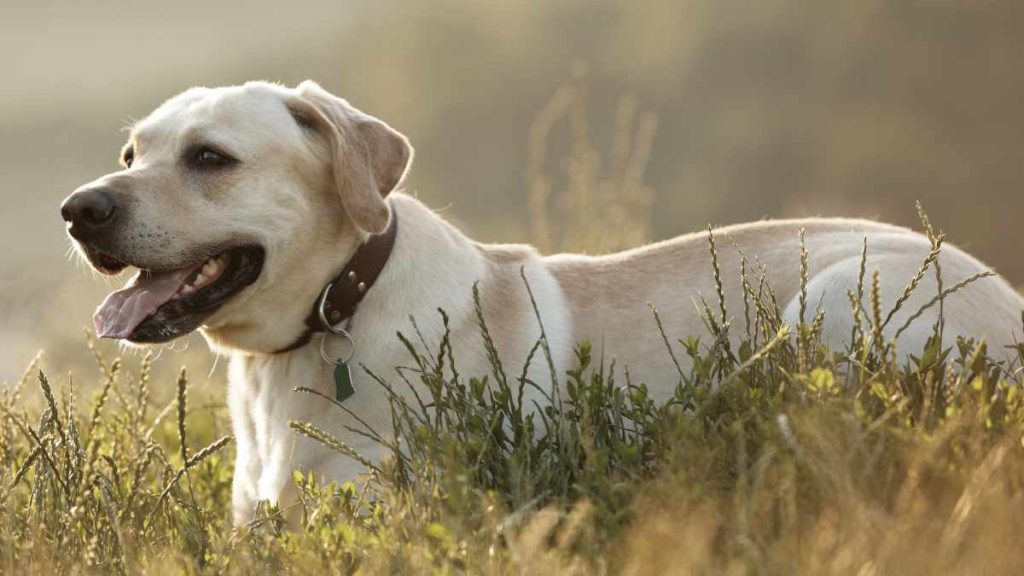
point(507, 254)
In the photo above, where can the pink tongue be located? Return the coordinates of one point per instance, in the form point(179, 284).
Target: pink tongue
point(122, 311)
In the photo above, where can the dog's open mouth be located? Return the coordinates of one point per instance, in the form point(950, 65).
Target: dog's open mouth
point(160, 305)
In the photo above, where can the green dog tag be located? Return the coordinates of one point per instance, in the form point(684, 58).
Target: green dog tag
point(343, 388)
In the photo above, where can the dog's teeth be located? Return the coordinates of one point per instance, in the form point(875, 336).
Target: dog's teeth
point(210, 269)
point(212, 266)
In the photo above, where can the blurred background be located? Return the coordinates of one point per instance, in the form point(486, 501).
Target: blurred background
point(677, 113)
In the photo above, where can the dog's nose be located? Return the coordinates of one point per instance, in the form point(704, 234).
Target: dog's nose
point(89, 212)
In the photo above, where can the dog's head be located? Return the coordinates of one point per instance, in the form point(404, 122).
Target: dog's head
point(237, 205)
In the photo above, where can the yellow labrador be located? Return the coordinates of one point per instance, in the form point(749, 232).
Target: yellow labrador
point(267, 218)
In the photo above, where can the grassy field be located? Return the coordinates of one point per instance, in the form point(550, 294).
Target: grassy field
point(773, 456)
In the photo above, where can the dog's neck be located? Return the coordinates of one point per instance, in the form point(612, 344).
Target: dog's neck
point(432, 266)
point(341, 296)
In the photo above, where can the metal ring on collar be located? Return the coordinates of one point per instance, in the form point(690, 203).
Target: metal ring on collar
point(323, 314)
point(337, 361)
point(335, 330)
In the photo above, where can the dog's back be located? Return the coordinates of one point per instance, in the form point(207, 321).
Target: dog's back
point(611, 295)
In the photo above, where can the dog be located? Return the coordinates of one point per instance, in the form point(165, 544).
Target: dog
point(270, 219)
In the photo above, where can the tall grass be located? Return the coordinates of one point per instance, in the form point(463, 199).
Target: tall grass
point(773, 455)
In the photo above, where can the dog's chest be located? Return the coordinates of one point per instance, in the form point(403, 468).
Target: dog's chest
point(264, 402)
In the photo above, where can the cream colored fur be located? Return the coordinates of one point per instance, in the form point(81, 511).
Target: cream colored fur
point(311, 190)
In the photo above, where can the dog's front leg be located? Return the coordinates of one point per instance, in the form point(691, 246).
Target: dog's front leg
point(244, 495)
point(269, 480)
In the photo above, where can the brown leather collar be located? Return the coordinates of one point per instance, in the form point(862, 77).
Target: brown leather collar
point(343, 293)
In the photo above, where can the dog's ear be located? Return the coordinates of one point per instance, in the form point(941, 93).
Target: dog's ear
point(370, 158)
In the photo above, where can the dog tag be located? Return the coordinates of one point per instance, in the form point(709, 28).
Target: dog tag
point(343, 388)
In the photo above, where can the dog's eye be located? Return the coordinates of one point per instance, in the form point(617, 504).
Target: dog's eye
point(128, 157)
point(209, 158)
